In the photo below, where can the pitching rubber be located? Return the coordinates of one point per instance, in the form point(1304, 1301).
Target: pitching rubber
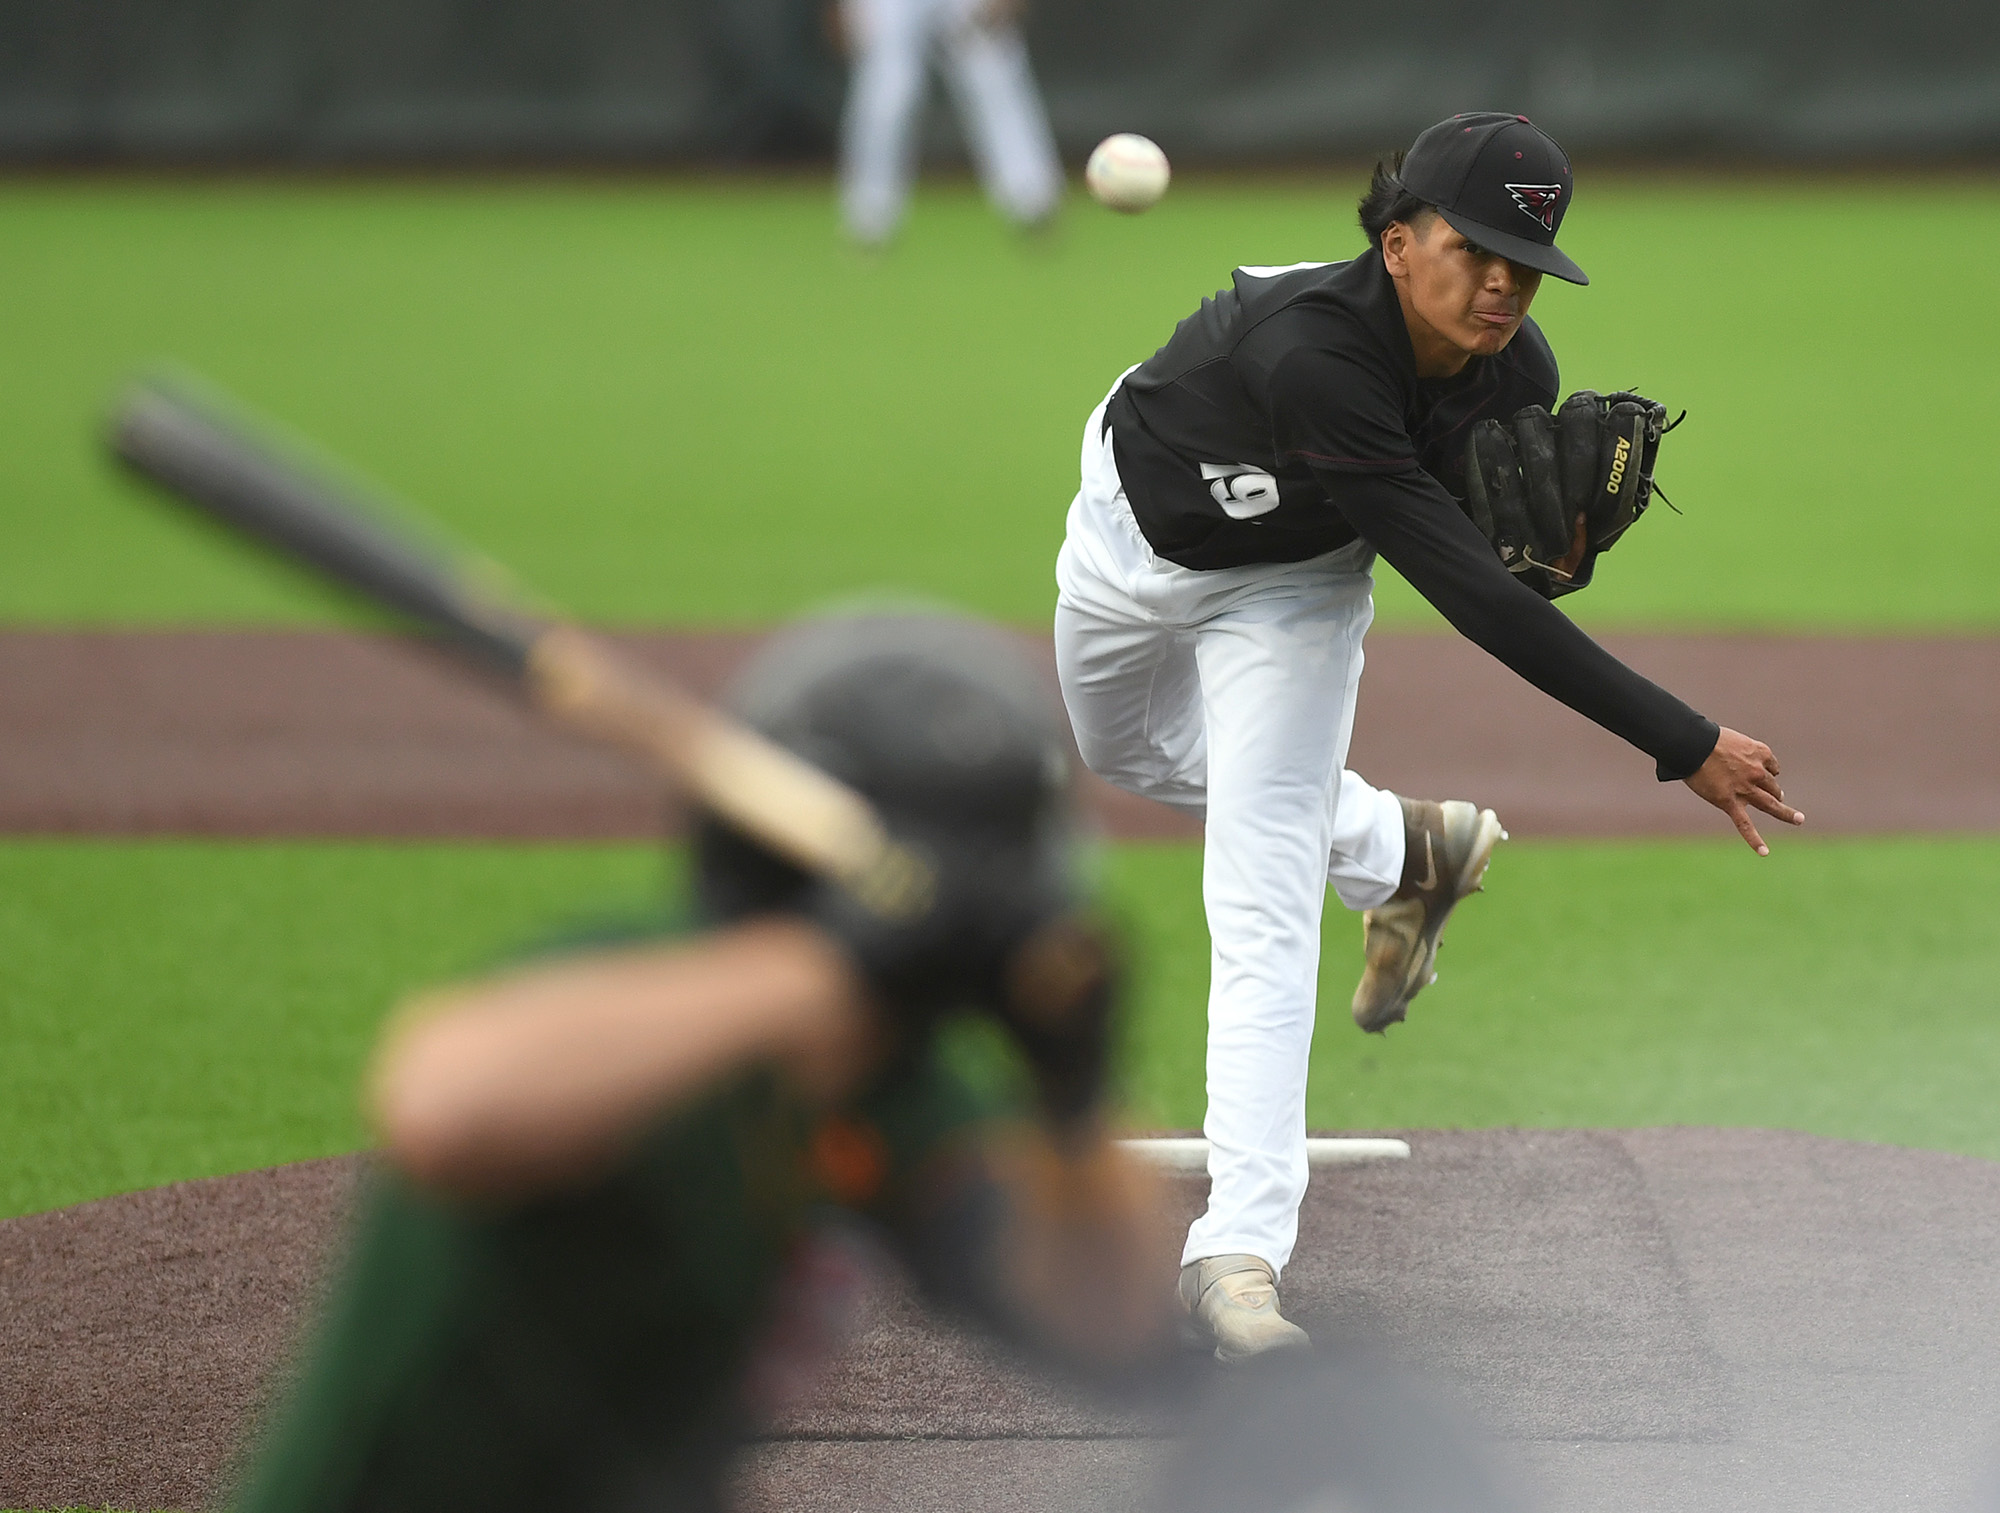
point(1190, 1154)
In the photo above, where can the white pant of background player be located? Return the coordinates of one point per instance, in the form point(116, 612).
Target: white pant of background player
point(986, 67)
point(1230, 695)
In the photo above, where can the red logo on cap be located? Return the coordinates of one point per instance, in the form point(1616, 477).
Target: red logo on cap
point(1538, 200)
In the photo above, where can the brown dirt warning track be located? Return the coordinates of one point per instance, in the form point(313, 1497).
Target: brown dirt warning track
point(262, 733)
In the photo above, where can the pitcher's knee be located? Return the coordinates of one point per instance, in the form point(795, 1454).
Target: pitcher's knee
point(1146, 773)
point(1121, 761)
point(1100, 757)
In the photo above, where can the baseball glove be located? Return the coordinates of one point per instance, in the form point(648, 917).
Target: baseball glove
point(1552, 491)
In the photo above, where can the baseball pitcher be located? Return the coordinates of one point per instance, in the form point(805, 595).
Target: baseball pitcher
point(1215, 589)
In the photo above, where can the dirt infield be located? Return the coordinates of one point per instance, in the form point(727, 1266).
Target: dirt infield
point(1652, 1320)
point(270, 733)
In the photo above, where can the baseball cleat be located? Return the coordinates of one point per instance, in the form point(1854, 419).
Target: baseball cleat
point(1233, 1301)
point(1446, 849)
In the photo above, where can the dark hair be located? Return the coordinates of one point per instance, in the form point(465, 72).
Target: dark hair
point(1387, 201)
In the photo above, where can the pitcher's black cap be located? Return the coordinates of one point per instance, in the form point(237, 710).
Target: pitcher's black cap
point(1500, 181)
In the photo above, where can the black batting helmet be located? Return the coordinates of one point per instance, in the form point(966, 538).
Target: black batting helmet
point(942, 723)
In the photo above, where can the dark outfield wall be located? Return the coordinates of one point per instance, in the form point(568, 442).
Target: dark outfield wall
point(358, 80)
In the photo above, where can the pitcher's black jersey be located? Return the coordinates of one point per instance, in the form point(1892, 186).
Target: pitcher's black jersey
point(1285, 418)
point(1290, 373)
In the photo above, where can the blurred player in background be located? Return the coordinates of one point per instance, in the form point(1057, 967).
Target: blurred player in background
point(581, 1275)
point(978, 47)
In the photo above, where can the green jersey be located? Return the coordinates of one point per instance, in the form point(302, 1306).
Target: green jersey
point(589, 1349)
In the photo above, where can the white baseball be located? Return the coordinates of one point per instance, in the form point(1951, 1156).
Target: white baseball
point(1127, 172)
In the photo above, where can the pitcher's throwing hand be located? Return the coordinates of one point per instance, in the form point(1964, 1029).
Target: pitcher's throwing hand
point(1739, 775)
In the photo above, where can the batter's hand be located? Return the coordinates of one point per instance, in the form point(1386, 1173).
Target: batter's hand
point(1739, 775)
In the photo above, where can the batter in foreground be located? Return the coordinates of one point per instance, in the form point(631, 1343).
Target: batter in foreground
point(604, 1242)
point(1215, 589)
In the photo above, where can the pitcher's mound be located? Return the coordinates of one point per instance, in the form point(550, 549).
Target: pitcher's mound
point(1657, 1319)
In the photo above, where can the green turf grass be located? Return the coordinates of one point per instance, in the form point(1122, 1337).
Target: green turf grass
point(173, 1009)
point(1848, 988)
point(685, 402)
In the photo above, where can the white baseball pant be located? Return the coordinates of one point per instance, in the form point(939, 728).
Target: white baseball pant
point(986, 67)
point(1230, 694)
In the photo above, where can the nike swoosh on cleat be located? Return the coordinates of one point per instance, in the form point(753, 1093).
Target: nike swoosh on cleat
point(1430, 878)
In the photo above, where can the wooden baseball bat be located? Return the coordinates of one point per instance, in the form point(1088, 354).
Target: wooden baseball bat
point(205, 452)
